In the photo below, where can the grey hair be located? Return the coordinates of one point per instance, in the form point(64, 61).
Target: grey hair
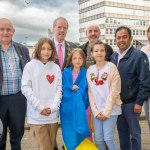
point(60, 18)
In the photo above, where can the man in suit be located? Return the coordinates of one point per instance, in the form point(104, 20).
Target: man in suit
point(134, 71)
point(13, 57)
point(60, 28)
point(93, 35)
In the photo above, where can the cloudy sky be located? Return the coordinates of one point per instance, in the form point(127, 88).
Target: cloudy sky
point(32, 18)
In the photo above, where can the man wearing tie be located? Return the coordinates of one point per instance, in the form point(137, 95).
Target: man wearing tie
point(63, 47)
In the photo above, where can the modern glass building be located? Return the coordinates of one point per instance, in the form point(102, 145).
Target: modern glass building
point(109, 14)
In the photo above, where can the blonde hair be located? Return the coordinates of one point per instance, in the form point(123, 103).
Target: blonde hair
point(37, 52)
point(81, 52)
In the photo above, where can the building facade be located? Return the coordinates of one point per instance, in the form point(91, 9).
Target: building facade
point(110, 14)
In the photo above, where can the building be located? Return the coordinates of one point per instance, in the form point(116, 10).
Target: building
point(50, 33)
point(109, 14)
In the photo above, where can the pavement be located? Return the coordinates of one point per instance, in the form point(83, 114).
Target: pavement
point(28, 142)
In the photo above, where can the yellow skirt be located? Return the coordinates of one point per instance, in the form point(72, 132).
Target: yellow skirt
point(86, 145)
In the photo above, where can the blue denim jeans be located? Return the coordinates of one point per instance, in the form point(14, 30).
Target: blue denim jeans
point(104, 133)
point(129, 128)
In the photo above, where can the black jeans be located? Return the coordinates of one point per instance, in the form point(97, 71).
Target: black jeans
point(12, 114)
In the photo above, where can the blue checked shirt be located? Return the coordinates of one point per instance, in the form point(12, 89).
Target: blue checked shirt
point(12, 73)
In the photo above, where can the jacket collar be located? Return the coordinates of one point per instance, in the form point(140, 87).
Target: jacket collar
point(127, 55)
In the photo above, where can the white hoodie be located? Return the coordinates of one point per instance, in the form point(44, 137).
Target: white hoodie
point(40, 92)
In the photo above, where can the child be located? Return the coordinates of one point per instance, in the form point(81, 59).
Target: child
point(74, 101)
point(42, 86)
point(104, 89)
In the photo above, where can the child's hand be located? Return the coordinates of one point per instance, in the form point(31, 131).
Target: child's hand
point(104, 117)
point(100, 116)
point(46, 111)
point(75, 88)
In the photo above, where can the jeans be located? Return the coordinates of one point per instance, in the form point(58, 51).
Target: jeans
point(147, 110)
point(104, 132)
point(12, 113)
point(129, 128)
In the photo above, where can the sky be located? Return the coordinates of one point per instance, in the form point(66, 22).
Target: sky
point(32, 18)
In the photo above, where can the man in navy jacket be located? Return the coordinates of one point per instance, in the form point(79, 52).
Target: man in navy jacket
point(133, 67)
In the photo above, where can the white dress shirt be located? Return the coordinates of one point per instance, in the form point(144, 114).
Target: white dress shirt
point(121, 55)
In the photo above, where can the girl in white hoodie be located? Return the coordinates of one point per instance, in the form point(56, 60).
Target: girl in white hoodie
point(42, 86)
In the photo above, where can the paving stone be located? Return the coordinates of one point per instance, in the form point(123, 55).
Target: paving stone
point(28, 142)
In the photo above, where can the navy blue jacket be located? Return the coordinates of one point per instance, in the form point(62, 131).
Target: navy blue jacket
point(135, 76)
point(23, 55)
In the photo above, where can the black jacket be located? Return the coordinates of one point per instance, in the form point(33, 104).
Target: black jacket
point(109, 50)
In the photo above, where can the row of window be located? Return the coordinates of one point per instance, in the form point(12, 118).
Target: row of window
point(127, 21)
point(97, 21)
point(131, 2)
point(114, 10)
point(110, 42)
point(112, 32)
point(134, 32)
point(114, 22)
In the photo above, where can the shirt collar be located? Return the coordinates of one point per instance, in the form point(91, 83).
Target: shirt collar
point(56, 42)
point(123, 53)
point(9, 47)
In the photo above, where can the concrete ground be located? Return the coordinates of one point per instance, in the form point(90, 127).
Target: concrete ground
point(28, 142)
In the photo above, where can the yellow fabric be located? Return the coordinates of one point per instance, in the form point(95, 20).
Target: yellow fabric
point(86, 145)
point(91, 123)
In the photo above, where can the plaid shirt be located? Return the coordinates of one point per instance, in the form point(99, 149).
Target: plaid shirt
point(11, 83)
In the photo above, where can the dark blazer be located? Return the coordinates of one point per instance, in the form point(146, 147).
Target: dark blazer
point(69, 46)
point(23, 55)
point(109, 50)
point(135, 76)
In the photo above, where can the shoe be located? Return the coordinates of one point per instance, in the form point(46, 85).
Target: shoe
point(55, 148)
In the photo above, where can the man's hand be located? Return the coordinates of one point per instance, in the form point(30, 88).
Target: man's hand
point(75, 88)
point(137, 108)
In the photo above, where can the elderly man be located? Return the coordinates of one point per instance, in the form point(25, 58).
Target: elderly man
point(63, 47)
point(93, 35)
point(134, 71)
point(13, 57)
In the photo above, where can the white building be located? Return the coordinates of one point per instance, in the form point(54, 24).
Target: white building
point(110, 14)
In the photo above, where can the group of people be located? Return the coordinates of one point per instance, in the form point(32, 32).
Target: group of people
point(79, 83)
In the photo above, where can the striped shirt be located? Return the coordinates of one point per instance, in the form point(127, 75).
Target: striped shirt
point(11, 81)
